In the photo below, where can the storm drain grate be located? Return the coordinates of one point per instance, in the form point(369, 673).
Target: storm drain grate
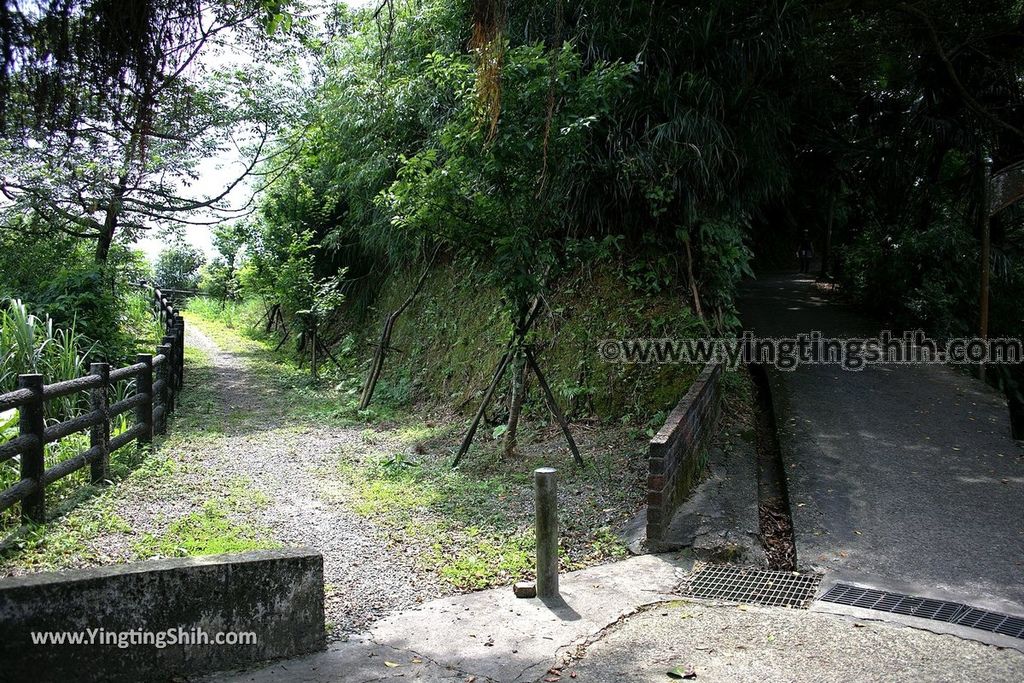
point(758, 586)
point(925, 608)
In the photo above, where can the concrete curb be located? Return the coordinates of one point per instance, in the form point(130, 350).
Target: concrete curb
point(148, 620)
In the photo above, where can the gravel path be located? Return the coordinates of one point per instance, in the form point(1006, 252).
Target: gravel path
point(364, 579)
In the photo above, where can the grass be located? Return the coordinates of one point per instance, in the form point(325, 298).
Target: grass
point(473, 526)
point(240, 315)
point(66, 542)
point(209, 531)
point(212, 529)
point(50, 547)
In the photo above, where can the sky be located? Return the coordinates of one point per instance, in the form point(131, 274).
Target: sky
point(218, 172)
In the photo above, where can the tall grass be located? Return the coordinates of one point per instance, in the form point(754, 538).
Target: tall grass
point(138, 322)
point(30, 344)
point(239, 315)
point(33, 344)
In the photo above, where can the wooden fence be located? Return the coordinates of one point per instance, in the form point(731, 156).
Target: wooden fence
point(158, 380)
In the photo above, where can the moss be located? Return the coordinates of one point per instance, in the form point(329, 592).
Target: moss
point(206, 532)
point(451, 338)
point(212, 529)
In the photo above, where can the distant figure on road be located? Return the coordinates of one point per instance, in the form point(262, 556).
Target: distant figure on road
point(805, 252)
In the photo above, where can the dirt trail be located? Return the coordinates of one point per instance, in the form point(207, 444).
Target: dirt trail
point(286, 463)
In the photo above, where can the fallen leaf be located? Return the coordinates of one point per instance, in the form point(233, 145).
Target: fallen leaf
point(680, 672)
point(390, 664)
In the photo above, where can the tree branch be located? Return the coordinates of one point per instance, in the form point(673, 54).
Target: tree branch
point(971, 103)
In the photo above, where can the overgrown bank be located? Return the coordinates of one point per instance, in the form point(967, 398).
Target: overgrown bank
point(448, 342)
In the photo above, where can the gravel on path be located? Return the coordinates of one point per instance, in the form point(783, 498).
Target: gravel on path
point(364, 579)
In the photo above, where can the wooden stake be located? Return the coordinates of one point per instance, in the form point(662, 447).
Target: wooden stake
point(377, 366)
point(468, 439)
point(553, 406)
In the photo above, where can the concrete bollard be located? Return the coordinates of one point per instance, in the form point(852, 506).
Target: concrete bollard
point(545, 486)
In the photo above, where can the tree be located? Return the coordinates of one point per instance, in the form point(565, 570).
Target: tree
point(219, 277)
point(178, 266)
point(118, 153)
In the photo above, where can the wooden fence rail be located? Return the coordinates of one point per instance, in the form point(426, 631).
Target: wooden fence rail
point(158, 381)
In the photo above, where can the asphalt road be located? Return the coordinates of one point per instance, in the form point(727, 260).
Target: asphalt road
point(900, 477)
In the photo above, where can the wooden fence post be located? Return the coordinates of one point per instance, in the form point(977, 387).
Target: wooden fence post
point(33, 460)
point(164, 377)
point(169, 372)
point(99, 434)
point(144, 385)
point(180, 326)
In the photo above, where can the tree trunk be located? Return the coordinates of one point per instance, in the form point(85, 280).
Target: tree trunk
point(984, 227)
point(312, 357)
point(693, 281)
point(516, 404)
point(110, 221)
point(826, 251)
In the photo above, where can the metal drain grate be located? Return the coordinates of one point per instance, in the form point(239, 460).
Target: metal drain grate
point(759, 586)
point(925, 608)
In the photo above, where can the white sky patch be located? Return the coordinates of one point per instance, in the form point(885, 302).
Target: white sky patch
point(216, 173)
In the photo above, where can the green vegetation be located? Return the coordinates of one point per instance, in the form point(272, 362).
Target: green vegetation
point(490, 177)
point(623, 165)
point(210, 530)
point(474, 526)
point(178, 266)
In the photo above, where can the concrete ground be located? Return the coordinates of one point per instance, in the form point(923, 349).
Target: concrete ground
point(719, 521)
point(623, 622)
point(487, 636)
point(900, 477)
point(735, 644)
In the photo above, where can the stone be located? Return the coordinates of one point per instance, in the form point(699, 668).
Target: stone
point(525, 589)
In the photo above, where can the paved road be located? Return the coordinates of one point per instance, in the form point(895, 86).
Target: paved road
point(900, 477)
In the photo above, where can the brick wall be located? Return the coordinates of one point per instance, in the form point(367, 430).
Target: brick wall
point(675, 452)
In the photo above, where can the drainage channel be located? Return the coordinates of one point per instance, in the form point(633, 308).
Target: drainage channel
point(776, 523)
point(925, 608)
point(767, 587)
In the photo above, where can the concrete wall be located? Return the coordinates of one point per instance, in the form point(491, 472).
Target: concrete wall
point(277, 595)
point(675, 452)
